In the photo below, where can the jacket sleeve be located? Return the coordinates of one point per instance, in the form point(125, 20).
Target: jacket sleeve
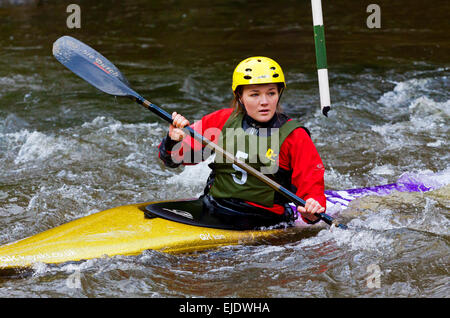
point(165, 152)
point(299, 154)
point(190, 151)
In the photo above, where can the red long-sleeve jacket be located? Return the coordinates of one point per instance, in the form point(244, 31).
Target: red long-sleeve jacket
point(297, 154)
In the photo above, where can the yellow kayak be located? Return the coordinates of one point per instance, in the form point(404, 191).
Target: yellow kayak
point(122, 230)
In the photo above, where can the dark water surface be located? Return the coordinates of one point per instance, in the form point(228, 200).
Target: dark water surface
point(67, 150)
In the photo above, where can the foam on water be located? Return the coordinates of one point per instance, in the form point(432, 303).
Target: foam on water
point(413, 97)
point(428, 178)
point(386, 169)
point(38, 146)
point(334, 178)
point(404, 92)
point(425, 115)
point(74, 143)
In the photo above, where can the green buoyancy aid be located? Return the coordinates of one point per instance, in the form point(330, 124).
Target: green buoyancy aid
point(259, 151)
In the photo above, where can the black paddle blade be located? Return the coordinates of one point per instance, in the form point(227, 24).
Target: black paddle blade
point(91, 66)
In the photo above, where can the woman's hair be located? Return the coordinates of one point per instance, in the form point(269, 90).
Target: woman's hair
point(237, 106)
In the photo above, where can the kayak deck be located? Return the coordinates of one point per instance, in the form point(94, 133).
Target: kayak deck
point(119, 231)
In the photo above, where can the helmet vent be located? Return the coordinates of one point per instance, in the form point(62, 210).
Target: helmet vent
point(259, 60)
point(275, 75)
point(272, 68)
point(248, 69)
point(247, 77)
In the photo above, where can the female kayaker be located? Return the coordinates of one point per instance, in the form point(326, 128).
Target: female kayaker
point(256, 130)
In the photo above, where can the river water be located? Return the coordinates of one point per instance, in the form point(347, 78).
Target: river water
point(67, 150)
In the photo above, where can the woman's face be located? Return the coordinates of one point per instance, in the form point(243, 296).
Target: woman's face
point(260, 101)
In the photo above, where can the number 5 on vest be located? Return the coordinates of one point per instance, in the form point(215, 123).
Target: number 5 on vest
point(243, 179)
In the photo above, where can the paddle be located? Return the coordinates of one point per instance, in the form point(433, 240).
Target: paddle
point(101, 73)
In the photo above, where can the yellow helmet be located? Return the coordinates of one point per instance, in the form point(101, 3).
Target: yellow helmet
point(257, 70)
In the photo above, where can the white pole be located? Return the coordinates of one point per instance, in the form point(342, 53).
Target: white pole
point(321, 56)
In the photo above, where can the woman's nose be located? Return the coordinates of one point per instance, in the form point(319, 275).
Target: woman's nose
point(264, 100)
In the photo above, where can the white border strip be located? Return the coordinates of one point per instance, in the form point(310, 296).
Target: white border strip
point(317, 12)
point(324, 89)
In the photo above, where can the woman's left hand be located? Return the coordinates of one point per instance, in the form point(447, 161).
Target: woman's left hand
point(310, 209)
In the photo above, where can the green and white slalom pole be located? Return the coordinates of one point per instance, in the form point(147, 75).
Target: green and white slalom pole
point(321, 56)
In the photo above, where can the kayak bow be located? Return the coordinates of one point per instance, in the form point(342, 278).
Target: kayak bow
point(122, 230)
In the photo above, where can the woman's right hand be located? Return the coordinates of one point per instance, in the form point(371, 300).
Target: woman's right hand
point(175, 131)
